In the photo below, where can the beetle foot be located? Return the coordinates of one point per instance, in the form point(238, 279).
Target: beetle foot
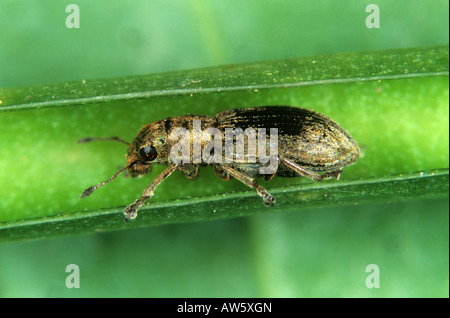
point(130, 211)
point(269, 200)
point(333, 174)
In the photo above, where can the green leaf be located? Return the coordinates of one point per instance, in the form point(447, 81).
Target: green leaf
point(420, 185)
point(316, 70)
point(394, 103)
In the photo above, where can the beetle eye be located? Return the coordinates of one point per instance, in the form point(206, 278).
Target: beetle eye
point(148, 153)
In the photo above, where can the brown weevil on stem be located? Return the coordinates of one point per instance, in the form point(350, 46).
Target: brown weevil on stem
point(241, 143)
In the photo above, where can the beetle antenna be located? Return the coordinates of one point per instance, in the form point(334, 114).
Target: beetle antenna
point(114, 138)
point(89, 190)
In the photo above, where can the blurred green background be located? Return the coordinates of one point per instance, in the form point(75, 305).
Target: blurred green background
point(321, 252)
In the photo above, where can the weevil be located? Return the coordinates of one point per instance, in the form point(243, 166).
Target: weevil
point(301, 142)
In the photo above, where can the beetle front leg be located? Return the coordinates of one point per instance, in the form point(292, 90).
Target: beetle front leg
point(310, 174)
point(131, 210)
point(269, 199)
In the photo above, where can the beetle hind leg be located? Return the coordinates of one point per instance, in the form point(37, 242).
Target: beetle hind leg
point(310, 174)
point(333, 174)
point(268, 199)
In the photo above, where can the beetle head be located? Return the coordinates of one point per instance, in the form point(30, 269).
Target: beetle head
point(148, 148)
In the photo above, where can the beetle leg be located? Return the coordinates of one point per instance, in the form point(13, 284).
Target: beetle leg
point(131, 210)
point(310, 174)
point(190, 170)
point(221, 173)
point(333, 174)
point(251, 182)
point(268, 177)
